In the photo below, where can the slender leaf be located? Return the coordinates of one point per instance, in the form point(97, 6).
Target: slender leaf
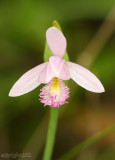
point(87, 143)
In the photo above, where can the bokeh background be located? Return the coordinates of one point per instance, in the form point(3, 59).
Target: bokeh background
point(89, 27)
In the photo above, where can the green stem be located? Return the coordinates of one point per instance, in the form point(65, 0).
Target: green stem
point(54, 111)
point(51, 133)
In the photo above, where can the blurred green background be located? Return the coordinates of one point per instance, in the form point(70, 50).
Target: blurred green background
point(89, 28)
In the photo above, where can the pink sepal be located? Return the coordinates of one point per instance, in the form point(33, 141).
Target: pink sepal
point(27, 82)
point(85, 78)
point(56, 41)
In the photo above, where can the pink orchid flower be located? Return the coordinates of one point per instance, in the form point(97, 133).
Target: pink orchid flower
point(52, 73)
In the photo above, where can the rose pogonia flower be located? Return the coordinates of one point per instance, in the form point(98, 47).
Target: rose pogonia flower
point(52, 73)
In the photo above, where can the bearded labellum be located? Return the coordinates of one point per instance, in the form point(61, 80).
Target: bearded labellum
point(54, 93)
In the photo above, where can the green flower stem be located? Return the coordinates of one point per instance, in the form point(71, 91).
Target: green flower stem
point(54, 111)
point(87, 143)
point(51, 133)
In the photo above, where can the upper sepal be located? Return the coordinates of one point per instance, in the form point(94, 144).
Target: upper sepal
point(56, 41)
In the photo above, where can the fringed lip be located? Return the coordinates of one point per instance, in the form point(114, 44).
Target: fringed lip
point(54, 93)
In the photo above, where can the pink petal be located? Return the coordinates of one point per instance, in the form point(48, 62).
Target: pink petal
point(56, 41)
point(59, 68)
point(85, 78)
point(46, 74)
point(27, 82)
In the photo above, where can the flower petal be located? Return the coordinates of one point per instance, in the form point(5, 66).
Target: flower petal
point(85, 78)
point(27, 82)
point(46, 74)
point(59, 68)
point(56, 41)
